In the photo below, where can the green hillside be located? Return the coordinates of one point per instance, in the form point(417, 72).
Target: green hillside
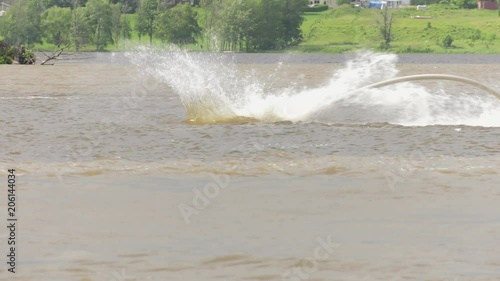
point(346, 29)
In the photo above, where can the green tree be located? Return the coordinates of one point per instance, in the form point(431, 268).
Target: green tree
point(125, 29)
point(116, 22)
point(100, 23)
point(178, 25)
point(385, 27)
point(21, 24)
point(255, 24)
point(212, 10)
point(270, 29)
point(128, 6)
point(80, 30)
point(146, 15)
point(120, 24)
point(292, 20)
point(56, 25)
point(235, 25)
point(447, 41)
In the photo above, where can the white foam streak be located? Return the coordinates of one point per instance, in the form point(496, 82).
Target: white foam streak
point(213, 90)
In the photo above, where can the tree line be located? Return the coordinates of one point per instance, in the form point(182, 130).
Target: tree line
point(252, 25)
point(242, 25)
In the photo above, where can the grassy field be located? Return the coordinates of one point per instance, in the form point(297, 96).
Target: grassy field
point(347, 29)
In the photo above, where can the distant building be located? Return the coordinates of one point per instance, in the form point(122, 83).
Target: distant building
point(365, 3)
point(370, 3)
point(487, 5)
point(330, 3)
point(377, 4)
point(392, 3)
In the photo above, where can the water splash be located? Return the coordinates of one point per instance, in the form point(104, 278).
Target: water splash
point(213, 90)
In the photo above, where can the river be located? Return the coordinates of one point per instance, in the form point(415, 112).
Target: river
point(185, 166)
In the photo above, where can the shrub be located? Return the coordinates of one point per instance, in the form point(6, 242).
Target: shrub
point(6, 53)
point(5, 60)
point(447, 41)
point(25, 56)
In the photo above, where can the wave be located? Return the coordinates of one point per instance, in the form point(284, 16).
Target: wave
point(214, 90)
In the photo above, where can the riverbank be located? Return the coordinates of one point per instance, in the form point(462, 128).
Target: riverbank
point(347, 29)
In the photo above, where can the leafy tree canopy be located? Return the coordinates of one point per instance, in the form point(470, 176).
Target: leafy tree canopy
point(178, 25)
point(56, 25)
point(21, 24)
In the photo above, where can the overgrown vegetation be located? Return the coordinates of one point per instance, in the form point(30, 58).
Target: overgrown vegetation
point(9, 54)
point(236, 25)
point(6, 53)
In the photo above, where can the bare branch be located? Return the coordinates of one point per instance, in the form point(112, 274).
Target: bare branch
point(55, 54)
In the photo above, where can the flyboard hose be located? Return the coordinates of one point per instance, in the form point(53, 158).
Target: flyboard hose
point(431, 77)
